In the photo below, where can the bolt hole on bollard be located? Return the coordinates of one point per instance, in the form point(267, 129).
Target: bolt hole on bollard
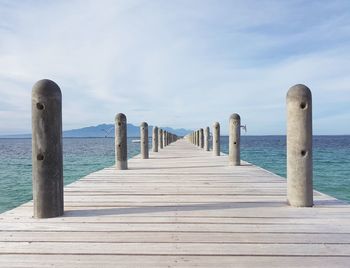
point(47, 153)
point(299, 147)
point(121, 150)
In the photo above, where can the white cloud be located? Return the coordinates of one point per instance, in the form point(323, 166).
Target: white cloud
point(175, 63)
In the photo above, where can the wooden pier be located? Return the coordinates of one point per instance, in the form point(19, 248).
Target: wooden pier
point(183, 207)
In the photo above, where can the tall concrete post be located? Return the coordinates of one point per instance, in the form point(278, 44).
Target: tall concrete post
point(160, 138)
point(234, 140)
point(206, 138)
point(155, 139)
point(198, 138)
point(216, 139)
point(47, 155)
point(144, 140)
point(164, 138)
point(121, 149)
point(201, 138)
point(299, 147)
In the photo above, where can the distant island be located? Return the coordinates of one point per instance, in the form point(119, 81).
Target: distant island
point(104, 130)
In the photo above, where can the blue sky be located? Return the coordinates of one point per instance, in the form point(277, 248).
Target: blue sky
point(177, 63)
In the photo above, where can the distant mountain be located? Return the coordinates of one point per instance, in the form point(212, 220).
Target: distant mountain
point(104, 130)
point(107, 130)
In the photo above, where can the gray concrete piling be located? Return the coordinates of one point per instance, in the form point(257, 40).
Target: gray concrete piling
point(198, 139)
point(121, 149)
point(216, 139)
point(299, 147)
point(47, 154)
point(201, 138)
point(164, 138)
point(234, 140)
point(155, 139)
point(160, 136)
point(144, 140)
point(206, 138)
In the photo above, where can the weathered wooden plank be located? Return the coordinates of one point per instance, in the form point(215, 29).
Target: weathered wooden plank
point(111, 261)
point(173, 227)
point(179, 237)
point(175, 248)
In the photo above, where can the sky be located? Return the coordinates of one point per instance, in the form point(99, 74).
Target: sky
point(178, 63)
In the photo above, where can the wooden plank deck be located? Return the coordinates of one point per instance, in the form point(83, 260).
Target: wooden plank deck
point(181, 208)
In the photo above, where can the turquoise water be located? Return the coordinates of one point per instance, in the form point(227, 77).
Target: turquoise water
point(86, 155)
point(331, 160)
point(81, 157)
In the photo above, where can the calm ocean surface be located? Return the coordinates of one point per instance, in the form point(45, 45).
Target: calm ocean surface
point(83, 156)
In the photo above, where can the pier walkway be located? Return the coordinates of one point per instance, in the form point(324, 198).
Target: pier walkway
point(183, 207)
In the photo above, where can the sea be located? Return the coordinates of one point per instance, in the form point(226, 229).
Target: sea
point(331, 160)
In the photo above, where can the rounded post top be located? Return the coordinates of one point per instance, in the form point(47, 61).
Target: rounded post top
point(201, 129)
point(216, 125)
point(299, 92)
point(120, 117)
point(235, 117)
point(46, 88)
point(155, 128)
point(144, 125)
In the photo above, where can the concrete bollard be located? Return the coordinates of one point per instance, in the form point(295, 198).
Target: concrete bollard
point(234, 140)
point(216, 139)
point(164, 138)
point(47, 153)
point(121, 143)
point(198, 142)
point(299, 147)
point(160, 136)
point(206, 138)
point(155, 139)
point(144, 140)
point(201, 138)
